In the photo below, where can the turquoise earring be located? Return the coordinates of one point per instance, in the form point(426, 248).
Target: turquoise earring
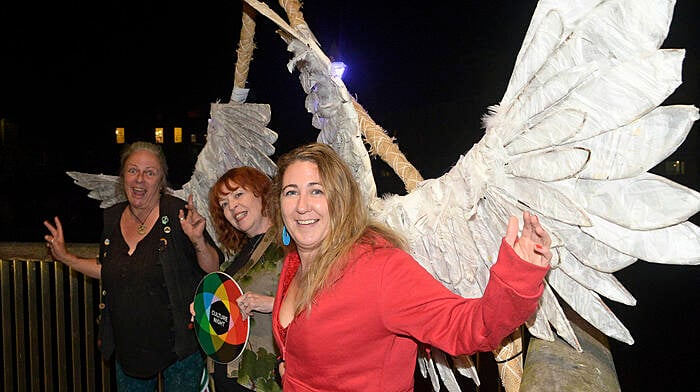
point(286, 239)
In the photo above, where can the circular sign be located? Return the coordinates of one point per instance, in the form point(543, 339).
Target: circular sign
point(221, 331)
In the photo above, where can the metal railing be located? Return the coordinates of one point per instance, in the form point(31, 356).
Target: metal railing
point(49, 335)
point(49, 323)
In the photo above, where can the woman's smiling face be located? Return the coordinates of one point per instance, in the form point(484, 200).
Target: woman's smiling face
point(304, 207)
point(242, 209)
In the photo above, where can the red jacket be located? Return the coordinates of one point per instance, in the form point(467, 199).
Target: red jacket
point(361, 333)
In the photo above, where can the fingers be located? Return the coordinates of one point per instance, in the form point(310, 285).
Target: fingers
point(533, 244)
point(56, 232)
point(59, 227)
point(533, 231)
point(50, 227)
point(243, 306)
point(545, 239)
point(282, 368)
point(545, 253)
point(250, 302)
point(246, 300)
point(190, 206)
point(527, 225)
point(512, 231)
point(192, 216)
point(192, 312)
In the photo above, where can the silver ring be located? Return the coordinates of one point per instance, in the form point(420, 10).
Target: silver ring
point(182, 219)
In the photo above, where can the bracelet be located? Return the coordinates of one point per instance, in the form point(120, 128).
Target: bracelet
point(278, 361)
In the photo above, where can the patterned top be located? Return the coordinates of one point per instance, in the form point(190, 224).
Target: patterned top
point(255, 369)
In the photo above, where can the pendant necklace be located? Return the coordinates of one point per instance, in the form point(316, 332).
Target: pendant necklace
point(142, 227)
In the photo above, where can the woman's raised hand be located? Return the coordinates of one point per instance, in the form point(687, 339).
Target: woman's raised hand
point(533, 245)
point(192, 223)
point(55, 241)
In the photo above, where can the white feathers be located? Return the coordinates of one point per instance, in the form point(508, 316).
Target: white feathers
point(572, 139)
point(660, 201)
point(678, 244)
point(551, 165)
point(627, 153)
point(589, 305)
point(102, 187)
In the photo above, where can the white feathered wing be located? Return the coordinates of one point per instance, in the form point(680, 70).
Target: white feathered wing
point(572, 140)
point(237, 135)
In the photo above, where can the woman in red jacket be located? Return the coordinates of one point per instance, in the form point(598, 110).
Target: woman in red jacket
point(351, 305)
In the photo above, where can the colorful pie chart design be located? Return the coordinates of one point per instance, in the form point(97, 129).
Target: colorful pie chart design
point(221, 331)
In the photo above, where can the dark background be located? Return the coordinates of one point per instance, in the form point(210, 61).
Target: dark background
point(72, 71)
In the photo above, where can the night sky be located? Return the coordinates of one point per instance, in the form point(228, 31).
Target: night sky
point(425, 71)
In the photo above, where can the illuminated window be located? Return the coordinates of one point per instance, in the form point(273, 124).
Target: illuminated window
point(119, 132)
point(674, 168)
point(178, 135)
point(193, 138)
point(159, 135)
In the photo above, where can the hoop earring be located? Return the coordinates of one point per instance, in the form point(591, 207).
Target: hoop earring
point(286, 239)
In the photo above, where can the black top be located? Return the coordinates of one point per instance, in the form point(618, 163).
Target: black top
point(143, 325)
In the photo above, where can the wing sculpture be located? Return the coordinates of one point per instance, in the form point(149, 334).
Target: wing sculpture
point(572, 139)
point(103, 187)
point(237, 135)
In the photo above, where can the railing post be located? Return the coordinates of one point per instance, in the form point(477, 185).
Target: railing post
point(5, 303)
point(46, 326)
point(20, 364)
point(556, 366)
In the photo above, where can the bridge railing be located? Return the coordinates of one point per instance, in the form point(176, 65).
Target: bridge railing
point(50, 320)
point(49, 323)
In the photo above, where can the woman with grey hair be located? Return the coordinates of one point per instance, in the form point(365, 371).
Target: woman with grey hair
point(154, 250)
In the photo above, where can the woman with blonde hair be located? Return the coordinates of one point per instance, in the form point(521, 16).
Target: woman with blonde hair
point(351, 304)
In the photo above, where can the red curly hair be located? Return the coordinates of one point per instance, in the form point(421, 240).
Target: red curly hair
point(250, 179)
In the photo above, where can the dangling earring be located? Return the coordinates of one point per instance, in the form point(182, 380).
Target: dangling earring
point(286, 239)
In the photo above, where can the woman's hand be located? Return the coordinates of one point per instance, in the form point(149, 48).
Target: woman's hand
point(193, 226)
point(281, 368)
point(250, 302)
point(192, 223)
point(55, 242)
point(533, 243)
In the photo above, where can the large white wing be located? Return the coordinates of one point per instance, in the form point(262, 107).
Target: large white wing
point(572, 139)
point(103, 187)
point(237, 135)
point(581, 123)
